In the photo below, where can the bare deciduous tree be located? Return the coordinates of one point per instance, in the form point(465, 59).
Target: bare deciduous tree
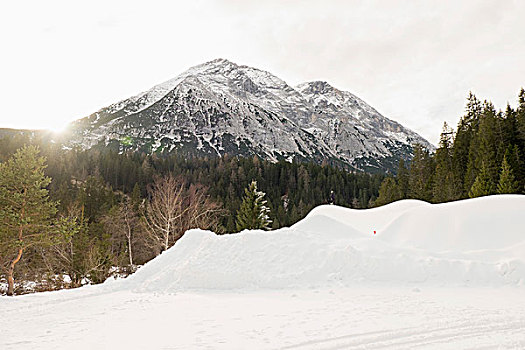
point(173, 209)
point(164, 209)
point(122, 223)
point(202, 211)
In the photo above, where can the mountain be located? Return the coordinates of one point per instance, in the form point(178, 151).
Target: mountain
point(220, 107)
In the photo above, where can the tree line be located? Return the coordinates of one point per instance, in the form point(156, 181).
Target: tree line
point(97, 213)
point(292, 189)
point(483, 156)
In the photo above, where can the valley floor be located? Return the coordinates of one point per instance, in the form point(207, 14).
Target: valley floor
point(339, 318)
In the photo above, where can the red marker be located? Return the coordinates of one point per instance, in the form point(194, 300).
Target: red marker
point(374, 232)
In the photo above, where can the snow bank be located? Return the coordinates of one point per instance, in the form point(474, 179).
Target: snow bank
point(473, 224)
point(472, 242)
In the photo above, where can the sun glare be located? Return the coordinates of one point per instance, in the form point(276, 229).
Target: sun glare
point(57, 128)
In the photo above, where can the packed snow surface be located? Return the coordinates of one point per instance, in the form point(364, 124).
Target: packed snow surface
point(409, 275)
point(472, 242)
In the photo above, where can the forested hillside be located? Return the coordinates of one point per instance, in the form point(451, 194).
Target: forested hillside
point(484, 156)
point(111, 204)
point(292, 189)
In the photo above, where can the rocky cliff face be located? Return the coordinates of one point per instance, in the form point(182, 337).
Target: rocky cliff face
point(220, 107)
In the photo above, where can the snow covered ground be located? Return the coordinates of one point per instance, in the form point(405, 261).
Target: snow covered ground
point(447, 276)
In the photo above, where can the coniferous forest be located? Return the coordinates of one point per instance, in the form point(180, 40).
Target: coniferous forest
point(98, 213)
point(485, 155)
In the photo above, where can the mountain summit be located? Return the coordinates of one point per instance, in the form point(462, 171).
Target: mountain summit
point(220, 107)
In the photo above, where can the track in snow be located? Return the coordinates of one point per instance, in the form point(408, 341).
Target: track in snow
point(346, 318)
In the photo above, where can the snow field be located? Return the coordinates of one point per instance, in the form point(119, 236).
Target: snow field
point(478, 242)
point(447, 277)
point(343, 318)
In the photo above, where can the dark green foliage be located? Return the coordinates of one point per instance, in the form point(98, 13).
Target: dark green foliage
point(447, 186)
point(485, 157)
point(26, 212)
point(402, 178)
point(464, 142)
point(520, 117)
point(292, 189)
point(93, 179)
point(86, 254)
point(483, 185)
point(253, 213)
point(421, 175)
point(507, 182)
point(389, 192)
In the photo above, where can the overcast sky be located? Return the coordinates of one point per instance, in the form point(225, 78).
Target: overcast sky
point(414, 61)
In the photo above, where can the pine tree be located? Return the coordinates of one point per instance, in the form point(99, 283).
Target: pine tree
point(517, 164)
point(489, 145)
point(466, 144)
point(135, 197)
point(402, 178)
point(253, 213)
point(507, 183)
point(420, 176)
point(510, 127)
point(447, 185)
point(82, 255)
point(520, 116)
point(26, 213)
point(472, 168)
point(483, 185)
point(389, 192)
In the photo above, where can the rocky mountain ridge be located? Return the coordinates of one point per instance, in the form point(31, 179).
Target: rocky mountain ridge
point(220, 107)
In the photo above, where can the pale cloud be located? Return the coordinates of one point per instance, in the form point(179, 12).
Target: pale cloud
point(414, 61)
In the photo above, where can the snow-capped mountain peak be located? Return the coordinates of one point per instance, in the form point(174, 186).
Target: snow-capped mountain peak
point(220, 107)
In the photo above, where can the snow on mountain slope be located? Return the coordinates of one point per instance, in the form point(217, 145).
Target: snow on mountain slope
point(471, 242)
point(220, 107)
point(351, 126)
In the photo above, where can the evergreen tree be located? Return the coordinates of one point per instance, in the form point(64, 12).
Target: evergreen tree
point(84, 255)
point(472, 168)
point(402, 178)
point(520, 116)
point(483, 185)
point(466, 143)
point(26, 213)
point(420, 176)
point(389, 192)
point(510, 127)
point(446, 185)
point(489, 141)
point(135, 197)
point(507, 183)
point(253, 214)
point(517, 164)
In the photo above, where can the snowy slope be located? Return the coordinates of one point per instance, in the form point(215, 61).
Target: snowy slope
point(220, 107)
point(472, 242)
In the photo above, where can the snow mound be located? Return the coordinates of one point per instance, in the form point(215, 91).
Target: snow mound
point(479, 223)
point(478, 242)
